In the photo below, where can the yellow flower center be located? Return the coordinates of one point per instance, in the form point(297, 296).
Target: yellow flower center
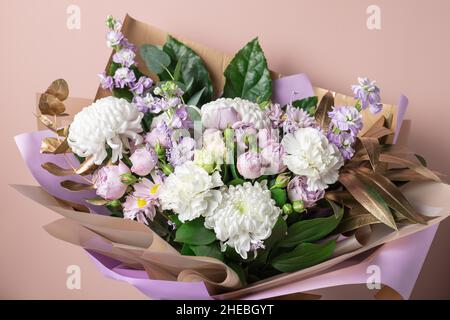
point(141, 203)
point(154, 189)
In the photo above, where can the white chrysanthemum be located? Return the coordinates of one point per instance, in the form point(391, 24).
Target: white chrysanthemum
point(189, 192)
point(310, 154)
point(248, 111)
point(244, 218)
point(108, 121)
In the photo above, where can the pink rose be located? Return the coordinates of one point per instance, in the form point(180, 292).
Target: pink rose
point(272, 158)
point(143, 161)
point(221, 118)
point(298, 190)
point(107, 181)
point(249, 165)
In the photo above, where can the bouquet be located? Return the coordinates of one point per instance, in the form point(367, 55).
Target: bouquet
point(241, 185)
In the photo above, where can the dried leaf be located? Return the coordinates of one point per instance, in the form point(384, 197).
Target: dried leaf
point(378, 130)
point(372, 148)
point(50, 105)
point(391, 194)
point(97, 201)
point(391, 158)
point(87, 166)
point(54, 145)
point(57, 170)
point(405, 174)
point(322, 110)
point(368, 197)
point(73, 205)
point(59, 89)
point(76, 186)
point(354, 222)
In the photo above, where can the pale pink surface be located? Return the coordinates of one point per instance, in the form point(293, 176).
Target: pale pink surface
point(408, 55)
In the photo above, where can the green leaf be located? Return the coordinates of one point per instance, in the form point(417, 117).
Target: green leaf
point(307, 104)
point(146, 121)
point(186, 250)
point(278, 232)
point(194, 233)
point(303, 256)
point(212, 250)
point(236, 182)
point(195, 99)
point(422, 160)
point(247, 76)
point(123, 93)
point(193, 72)
point(280, 196)
point(312, 230)
point(174, 219)
point(155, 59)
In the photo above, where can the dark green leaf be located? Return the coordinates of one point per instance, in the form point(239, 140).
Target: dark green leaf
point(247, 76)
point(194, 233)
point(307, 104)
point(278, 232)
point(303, 256)
point(312, 230)
point(123, 93)
point(280, 196)
point(212, 250)
point(146, 121)
point(422, 160)
point(236, 182)
point(155, 59)
point(186, 250)
point(193, 72)
point(195, 99)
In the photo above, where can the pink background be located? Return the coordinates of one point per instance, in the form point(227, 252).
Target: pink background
point(327, 39)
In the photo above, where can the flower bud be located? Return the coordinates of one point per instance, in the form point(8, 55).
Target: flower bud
point(128, 178)
point(167, 169)
point(298, 206)
point(160, 151)
point(281, 181)
point(287, 209)
point(114, 203)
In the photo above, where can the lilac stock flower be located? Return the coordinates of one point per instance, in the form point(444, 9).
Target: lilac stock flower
point(181, 151)
point(108, 183)
point(124, 77)
point(141, 85)
point(298, 190)
point(143, 160)
point(106, 82)
point(275, 114)
point(368, 94)
point(181, 120)
point(344, 141)
point(126, 44)
point(346, 118)
point(296, 118)
point(161, 134)
point(114, 38)
point(224, 117)
point(125, 57)
point(250, 165)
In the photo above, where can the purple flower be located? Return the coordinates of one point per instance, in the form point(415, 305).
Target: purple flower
point(298, 190)
point(113, 38)
point(141, 85)
point(246, 135)
point(108, 183)
point(344, 141)
point(124, 77)
point(139, 209)
point(181, 120)
point(143, 161)
point(267, 137)
point(250, 165)
point(125, 57)
point(275, 114)
point(272, 159)
point(368, 94)
point(160, 134)
point(106, 82)
point(126, 44)
point(346, 118)
point(296, 118)
point(221, 118)
point(181, 152)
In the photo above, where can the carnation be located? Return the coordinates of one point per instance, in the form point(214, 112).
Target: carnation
point(108, 121)
point(310, 154)
point(249, 112)
point(244, 218)
point(189, 192)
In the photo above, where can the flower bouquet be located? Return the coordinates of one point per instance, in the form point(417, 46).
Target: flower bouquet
point(240, 181)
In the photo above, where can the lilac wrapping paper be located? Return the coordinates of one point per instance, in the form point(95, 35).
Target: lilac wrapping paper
point(400, 261)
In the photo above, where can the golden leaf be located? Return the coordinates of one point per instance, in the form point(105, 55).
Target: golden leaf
point(391, 194)
point(50, 105)
point(406, 174)
point(59, 89)
point(57, 170)
point(368, 197)
point(322, 110)
point(97, 201)
point(87, 166)
point(76, 186)
point(372, 148)
point(356, 221)
point(73, 205)
point(54, 145)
